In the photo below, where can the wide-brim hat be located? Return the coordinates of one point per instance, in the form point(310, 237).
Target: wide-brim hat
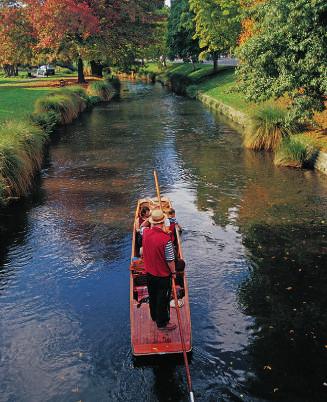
point(157, 217)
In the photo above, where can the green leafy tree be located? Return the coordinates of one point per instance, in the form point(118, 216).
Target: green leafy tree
point(217, 25)
point(128, 28)
point(181, 32)
point(286, 55)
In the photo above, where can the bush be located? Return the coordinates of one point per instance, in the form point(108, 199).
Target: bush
point(64, 103)
point(94, 100)
point(115, 83)
point(21, 154)
point(46, 120)
point(179, 83)
point(268, 127)
point(293, 153)
point(192, 91)
point(103, 89)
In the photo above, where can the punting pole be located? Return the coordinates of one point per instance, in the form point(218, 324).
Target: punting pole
point(157, 188)
point(187, 368)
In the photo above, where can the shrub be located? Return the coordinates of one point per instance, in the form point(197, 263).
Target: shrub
point(293, 153)
point(21, 154)
point(192, 91)
point(46, 120)
point(268, 126)
point(66, 71)
point(94, 100)
point(114, 81)
point(179, 83)
point(65, 105)
point(102, 89)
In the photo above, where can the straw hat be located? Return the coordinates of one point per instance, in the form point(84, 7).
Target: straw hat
point(157, 217)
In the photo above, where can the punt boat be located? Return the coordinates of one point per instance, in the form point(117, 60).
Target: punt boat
point(146, 339)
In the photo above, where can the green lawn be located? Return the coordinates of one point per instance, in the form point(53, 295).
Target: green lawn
point(25, 82)
point(18, 103)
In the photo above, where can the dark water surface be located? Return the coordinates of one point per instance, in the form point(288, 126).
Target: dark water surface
point(254, 240)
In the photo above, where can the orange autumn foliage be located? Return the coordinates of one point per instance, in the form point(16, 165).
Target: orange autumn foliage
point(248, 25)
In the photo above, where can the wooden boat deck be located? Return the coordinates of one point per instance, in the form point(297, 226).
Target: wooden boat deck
point(146, 339)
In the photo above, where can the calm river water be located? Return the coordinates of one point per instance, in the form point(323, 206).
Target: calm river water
point(254, 240)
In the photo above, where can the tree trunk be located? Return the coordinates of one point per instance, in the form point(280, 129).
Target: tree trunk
point(80, 71)
point(10, 70)
point(96, 68)
point(215, 61)
point(193, 63)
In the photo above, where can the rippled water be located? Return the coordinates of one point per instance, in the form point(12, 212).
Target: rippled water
point(254, 240)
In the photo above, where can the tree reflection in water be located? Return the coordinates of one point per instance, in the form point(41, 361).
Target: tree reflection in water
point(286, 293)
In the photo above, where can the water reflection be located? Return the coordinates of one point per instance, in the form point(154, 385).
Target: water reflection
point(286, 293)
point(64, 324)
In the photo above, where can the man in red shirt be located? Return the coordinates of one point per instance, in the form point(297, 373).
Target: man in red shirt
point(159, 263)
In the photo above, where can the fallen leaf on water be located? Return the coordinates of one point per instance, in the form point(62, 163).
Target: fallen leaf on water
point(289, 288)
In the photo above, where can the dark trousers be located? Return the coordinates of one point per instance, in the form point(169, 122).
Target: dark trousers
point(159, 294)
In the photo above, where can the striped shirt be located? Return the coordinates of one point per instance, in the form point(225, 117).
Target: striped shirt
point(169, 252)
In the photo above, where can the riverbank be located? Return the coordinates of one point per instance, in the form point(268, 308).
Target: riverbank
point(28, 116)
point(218, 90)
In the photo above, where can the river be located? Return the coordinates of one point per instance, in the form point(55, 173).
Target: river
point(254, 241)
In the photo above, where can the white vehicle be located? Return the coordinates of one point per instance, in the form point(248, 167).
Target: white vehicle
point(45, 70)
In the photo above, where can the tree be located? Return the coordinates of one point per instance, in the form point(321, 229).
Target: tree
point(217, 25)
point(181, 30)
point(63, 26)
point(126, 29)
point(16, 38)
point(155, 48)
point(286, 54)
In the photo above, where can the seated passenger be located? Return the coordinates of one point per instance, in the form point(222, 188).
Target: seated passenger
point(143, 219)
point(141, 222)
point(173, 221)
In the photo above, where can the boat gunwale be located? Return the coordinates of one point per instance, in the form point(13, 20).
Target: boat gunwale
point(132, 289)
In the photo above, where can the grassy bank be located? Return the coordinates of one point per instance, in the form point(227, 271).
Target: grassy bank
point(27, 118)
point(266, 123)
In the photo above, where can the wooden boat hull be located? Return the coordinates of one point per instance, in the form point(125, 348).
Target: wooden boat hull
point(146, 339)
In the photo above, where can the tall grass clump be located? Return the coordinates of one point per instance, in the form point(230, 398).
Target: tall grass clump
point(103, 89)
point(66, 105)
point(21, 155)
point(268, 127)
point(46, 120)
point(115, 82)
point(293, 153)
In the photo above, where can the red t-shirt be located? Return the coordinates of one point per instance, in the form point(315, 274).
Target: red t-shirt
point(154, 244)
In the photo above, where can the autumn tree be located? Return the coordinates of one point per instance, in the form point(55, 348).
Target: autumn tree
point(217, 24)
point(16, 37)
point(63, 26)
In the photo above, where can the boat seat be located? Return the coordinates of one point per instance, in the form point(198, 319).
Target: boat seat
point(141, 292)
